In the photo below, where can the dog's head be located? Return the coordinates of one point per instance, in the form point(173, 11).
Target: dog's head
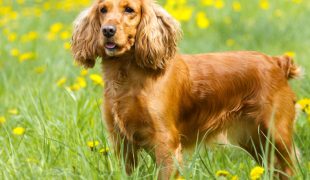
point(115, 28)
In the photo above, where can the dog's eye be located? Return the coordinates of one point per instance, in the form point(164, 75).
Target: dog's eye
point(103, 10)
point(129, 10)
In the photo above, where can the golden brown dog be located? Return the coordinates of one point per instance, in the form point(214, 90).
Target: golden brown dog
point(163, 101)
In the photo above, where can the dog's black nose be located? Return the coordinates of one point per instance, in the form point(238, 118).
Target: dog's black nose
point(109, 31)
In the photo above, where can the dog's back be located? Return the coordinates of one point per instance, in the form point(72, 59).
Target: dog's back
point(245, 94)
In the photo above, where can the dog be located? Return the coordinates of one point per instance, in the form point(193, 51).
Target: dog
point(163, 102)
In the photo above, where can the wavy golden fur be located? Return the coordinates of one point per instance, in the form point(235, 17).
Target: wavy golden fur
point(162, 101)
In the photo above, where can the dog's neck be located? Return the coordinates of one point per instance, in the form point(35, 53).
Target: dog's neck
point(122, 74)
point(116, 68)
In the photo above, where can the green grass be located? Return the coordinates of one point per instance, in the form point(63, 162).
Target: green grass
point(59, 122)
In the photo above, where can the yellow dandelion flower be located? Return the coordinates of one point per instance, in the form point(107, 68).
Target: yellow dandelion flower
point(39, 69)
point(75, 87)
point(19, 131)
point(235, 177)
point(13, 15)
point(207, 2)
point(2, 120)
point(264, 4)
point(179, 9)
point(202, 20)
point(61, 81)
point(65, 35)
point(81, 82)
point(13, 111)
point(26, 56)
point(97, 79)
point(236, 6)
point(6, 9)
point(169, 4)
point(184, 13)
point(304, 103)
point(230, 42)
point(222, 173)
point(104, 151)
point(12, 37)
point(297, 1)
point(181, 2)
point(219, 4)
point(307, 109)
point(290, 54)
point(84, 72)
point(92, 144)
point(67, 45)
point(56, 27)
point(32, 35)
point(256, 173)
point(14, 52)
point(47, 6)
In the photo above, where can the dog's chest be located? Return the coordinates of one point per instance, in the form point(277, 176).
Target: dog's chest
point(129, 108)
point(132, 120)
point(128, 99)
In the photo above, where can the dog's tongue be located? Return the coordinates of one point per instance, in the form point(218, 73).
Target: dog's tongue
point(110, 45)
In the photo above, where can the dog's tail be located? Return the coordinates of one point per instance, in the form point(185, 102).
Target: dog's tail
point(290, 69)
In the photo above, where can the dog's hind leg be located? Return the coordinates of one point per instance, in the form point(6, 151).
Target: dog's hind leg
point(271, 134)
point(268, 137)
point(284, 117)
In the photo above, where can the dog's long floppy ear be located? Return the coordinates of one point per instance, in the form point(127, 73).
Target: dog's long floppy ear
point(157, 37)
point(84, 43)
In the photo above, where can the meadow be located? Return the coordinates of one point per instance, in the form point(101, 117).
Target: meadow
point(50, 109)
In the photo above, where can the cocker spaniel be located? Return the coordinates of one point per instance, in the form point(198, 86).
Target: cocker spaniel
point(162, 101)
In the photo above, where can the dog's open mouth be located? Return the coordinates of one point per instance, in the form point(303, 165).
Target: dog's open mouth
point(110, 46)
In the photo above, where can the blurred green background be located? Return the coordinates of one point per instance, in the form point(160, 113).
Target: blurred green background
point(50, 109)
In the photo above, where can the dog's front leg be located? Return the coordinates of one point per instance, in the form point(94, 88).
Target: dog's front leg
point(124, 149)
point(168, 153)
point(130, 155)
